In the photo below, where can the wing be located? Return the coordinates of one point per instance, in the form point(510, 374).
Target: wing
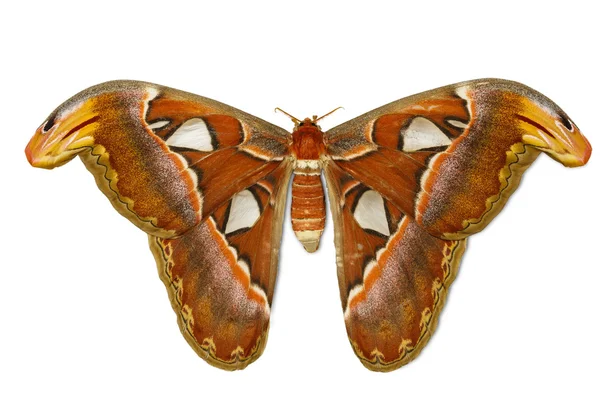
point(220, 275)
point(451, 157)
point(207, 182)
point(408, 182)
point(393, 275)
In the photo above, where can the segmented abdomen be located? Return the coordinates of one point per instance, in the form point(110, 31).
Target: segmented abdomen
point(308, 210)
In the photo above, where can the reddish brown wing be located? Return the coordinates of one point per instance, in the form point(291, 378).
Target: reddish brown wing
point(393, 275)
point(220, 275)
point(408, 182)
point(207, 182)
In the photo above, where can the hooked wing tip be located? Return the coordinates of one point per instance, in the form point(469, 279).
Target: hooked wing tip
point(33, 156)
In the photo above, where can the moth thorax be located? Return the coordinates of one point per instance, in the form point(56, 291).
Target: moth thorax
point(308, 209)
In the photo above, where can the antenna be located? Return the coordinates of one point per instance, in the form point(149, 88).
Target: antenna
point(294, 119)
point(315, 119)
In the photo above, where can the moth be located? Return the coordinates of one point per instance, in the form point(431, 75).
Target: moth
point(407, 183)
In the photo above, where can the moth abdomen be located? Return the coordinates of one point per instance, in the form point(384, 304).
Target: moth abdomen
point(308, 210)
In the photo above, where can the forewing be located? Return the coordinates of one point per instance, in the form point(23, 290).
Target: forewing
point(450, 158)
point(166, 159)
point(226, 149)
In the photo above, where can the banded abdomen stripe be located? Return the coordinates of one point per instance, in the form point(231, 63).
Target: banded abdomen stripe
point(308, 210)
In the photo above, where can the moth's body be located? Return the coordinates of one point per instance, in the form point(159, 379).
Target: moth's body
point(308, 196)
point(407, 184)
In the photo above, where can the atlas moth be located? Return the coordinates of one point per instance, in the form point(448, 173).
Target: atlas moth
point(407, 182)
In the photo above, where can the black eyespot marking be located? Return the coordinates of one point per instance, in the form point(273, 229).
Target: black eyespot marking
point(49, 124)
point(565, 121)
point(301, 124)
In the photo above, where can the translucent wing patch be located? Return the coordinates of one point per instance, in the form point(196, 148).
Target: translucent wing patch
point(370, 212)
point(194, 135)
point(243, 212)
point(422, 134)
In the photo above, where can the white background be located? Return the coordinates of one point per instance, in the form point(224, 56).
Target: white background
point(82, 311)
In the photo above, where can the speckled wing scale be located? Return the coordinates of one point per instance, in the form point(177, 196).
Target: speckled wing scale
point(407, 182)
